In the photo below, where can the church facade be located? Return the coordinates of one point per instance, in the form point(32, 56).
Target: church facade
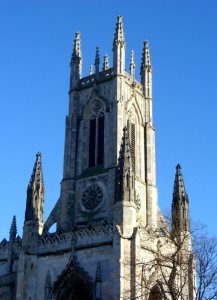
point(111, 240)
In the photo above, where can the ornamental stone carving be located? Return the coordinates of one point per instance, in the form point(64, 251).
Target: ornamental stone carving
point(92, 197)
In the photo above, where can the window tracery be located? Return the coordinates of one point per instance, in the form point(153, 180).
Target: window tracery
point(96, 135)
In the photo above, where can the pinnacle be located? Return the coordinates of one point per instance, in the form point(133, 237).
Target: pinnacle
point(91, 70)
point(37, 176)
point(125, 152)
point(77, 46)
point(179, 192)
point(119, 31)
point(105, 63)
point(35, 190)
point(132, 64)
point(13, 229)
point(146, 58)
point(97, 60)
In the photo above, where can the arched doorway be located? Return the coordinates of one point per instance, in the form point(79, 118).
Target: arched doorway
point(73, 284)
point(155, 293)
point(73, 289)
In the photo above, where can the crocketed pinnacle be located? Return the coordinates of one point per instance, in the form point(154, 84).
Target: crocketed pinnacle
point(179, 193)
point(180, 205)
point(105, 63)
point(97, 60)
point(125, 160)
point(77, 46)
point(13, 229)
point(119, 31)
point(124, 174)
point(35, 192)
point(146, 58)
point(132, 64)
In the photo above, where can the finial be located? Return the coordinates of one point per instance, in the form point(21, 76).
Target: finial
point(178, 167)
point(146, 59)
point(97, 60)
point(105, 63)
point(91, 70)
point(13, 229)
point(119, 31)
point(179, 187)
point(132, 64)
point(77, 46)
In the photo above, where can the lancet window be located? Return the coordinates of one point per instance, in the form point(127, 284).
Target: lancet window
point(96, 136)
point(132, 137)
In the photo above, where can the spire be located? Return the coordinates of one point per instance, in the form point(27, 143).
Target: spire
point(180, 210)
point(146, 71)
point(97, 60)
point(91, 70)
point(119, 47)
point(105, 63)
point(132, 65)
point(125, 175)
point(76, 62)
point(13, 229)
point(35, 193)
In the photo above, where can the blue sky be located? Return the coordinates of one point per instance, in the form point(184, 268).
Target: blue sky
point(36, 44)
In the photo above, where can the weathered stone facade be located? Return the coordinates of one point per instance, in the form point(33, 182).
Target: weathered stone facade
point(107, 217)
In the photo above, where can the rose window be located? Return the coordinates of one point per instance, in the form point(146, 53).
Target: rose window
point(92, 197)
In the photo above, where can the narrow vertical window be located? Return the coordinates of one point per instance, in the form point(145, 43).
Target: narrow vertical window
point(132, 137)
point(100, 152)
point(92, 142)
point(96, 141)
point(133, 144)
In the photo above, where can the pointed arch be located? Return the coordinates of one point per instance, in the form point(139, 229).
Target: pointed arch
point(155, 293)
point(132, 104)
point(94, 118)
point(73, 284)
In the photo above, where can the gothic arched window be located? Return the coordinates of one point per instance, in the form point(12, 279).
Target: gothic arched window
point(96, 137)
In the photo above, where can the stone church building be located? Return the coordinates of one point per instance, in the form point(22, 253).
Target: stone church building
point(111, 240)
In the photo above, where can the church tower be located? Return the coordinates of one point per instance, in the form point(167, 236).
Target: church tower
point(108, 223)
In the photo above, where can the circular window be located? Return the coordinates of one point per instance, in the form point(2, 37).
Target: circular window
point(92, 197)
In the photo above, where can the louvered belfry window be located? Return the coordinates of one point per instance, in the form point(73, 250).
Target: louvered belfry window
point(132, 137)
point(100, 149)
point(96, 141)
point(92, 142)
